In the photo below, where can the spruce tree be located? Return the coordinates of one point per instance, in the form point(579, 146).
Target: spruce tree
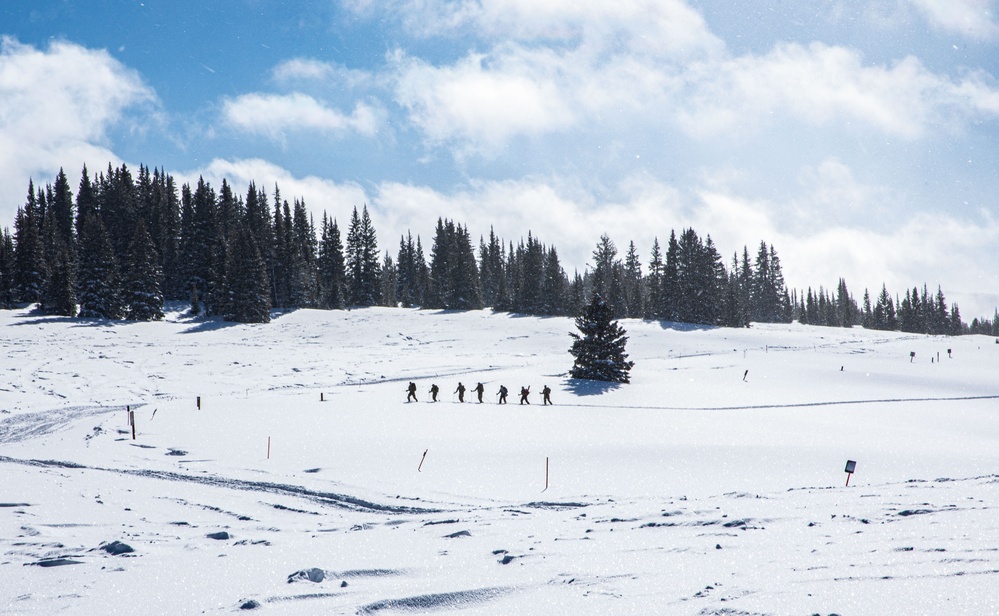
point(331, 276)
point(6, 270)
point(59, 297)
point(97, 273)
point(363, 267)
point(247, 284)
point(143, 279)
point(599, 347)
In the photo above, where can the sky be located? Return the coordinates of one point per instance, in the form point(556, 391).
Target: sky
point(859, 138)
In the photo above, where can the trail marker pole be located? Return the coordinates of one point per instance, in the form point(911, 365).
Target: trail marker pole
point(419, 469)
point(131, 420)
point(546, 475)
point(851, 466)
point(912, 356)
point(744, 375)
point(268, 448)
point(322, 397)
point(199, 403)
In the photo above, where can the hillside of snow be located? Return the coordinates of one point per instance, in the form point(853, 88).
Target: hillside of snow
point(712, 484)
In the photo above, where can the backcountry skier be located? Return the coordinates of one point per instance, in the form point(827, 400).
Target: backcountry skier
point(524, 392)
point(461, 392)
point(546, 394)
point(479, 390)
point(503, 391)
point(411, 397)
point(434, 391)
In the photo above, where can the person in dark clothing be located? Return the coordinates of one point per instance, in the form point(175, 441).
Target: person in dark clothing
point(480, 389)
point(503, 391)
point(546, 394)
point(524, 392)
point(412, 392)
point(434, 390)
point(461, 392)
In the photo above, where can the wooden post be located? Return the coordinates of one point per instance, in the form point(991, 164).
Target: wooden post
point(419, 469)
point(268, 448)
point(546, 475)
point(321, 397)
point(131, 420)
point(199, 403)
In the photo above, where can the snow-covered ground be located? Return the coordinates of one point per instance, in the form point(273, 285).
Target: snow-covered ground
point(700, 488)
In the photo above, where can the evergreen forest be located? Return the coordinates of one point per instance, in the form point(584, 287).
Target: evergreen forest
point(125, 244)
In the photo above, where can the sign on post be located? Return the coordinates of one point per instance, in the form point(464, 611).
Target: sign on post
point(851, 466)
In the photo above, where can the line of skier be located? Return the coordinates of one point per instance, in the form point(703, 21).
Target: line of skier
point(480, 390)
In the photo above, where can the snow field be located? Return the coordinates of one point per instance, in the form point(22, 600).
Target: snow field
point(690, 491)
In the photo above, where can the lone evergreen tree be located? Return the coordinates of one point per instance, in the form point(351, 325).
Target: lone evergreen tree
point(599, 351)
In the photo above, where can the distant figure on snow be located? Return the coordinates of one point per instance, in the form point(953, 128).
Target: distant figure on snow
point(434, 390)
point(461, 392)
point(503, 391)
point(524, 392)
point(546, 396)
point(412, 392)
point(479, 389)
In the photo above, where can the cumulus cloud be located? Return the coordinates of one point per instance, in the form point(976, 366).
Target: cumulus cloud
point(275, 115)
point(479, 105)
point(822, 84)
point(57, 106)
point(483, 100)
point(973, 19)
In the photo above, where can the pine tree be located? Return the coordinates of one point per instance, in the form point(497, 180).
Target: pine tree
point(363, 270)
point(30, 269)
point(390, 278)
point(59, 297)
point(247, 284)
point(143, 279)
point(671, 280)
point(654, 284)
point(332, 285)
point(97, 273)
point(7, 295)
point(554, 285)
point(600, 345)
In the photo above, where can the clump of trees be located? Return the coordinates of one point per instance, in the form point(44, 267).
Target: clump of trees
point(128, 243)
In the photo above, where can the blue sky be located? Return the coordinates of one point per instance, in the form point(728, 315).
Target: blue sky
point(858, 137)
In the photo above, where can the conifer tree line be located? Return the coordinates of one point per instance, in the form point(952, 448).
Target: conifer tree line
point(127, 243)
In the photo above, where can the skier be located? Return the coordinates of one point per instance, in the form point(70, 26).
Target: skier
point(524, 392)
point(412, 392)
point(479, 389)
point(433, 391)
point(503, 391)
point(461, 392)
point(546, 395)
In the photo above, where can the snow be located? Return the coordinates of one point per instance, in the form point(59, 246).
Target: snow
point(699, 488)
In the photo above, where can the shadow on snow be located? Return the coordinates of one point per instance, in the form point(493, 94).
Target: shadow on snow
point(587, 387)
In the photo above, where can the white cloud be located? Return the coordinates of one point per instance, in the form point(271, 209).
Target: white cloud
point(973, 19)
point(822, 84)
point(481, 105)
point(644, 26)
point(275, 115)
point(56, 108)
point(482, 101)
point(311, 70)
